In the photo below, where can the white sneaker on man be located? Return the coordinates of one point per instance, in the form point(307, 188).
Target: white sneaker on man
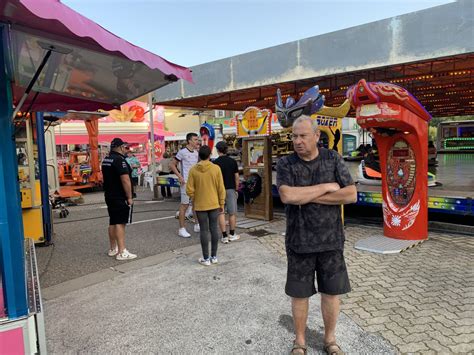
point(182, 232)
point(197, 229)
point(214, 260)
point(234, 237)
point(125, 255)
point(225, 240)
point(113, 252)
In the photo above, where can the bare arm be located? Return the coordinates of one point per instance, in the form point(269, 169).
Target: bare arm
point(174, 169)
point(345, 195)
point(302, 195)
point(190, 185)
point(237, 181)
point(127, 187)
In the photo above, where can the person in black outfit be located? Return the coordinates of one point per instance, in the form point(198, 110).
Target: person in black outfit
point(118, 192)
point(313, 182)
point(230, 173)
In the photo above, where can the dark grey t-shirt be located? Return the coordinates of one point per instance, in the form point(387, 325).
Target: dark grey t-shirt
point(313, 227)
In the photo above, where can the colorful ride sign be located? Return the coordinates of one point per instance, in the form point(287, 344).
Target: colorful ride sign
point(254, 122)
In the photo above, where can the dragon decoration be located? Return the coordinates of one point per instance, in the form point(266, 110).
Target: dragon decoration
point(311, 102)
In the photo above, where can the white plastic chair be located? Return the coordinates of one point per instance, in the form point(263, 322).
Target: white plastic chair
point(148, 181)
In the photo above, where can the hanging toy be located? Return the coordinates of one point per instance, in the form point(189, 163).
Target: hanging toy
point(207, 134)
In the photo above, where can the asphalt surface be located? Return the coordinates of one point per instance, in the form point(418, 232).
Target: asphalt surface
point(179, 306)
point(81, 239)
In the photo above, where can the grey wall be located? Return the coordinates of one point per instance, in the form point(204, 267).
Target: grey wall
point(436, 32)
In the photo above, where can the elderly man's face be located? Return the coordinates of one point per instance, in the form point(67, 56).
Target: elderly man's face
point(305, 139)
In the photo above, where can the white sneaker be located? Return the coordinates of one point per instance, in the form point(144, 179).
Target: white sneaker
point(113, 252)
point(214, 260)
point(225, 240)
point(233, 238)
point(176, 215)
point(125, 255)
point(182, 232)
point(205, 262)
point(197, 229)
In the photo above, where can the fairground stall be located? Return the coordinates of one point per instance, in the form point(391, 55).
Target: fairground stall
point(52, 58)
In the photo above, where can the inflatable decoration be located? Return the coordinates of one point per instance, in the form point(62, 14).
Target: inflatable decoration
point(139, 113)
point(207, 134)
point(311, 102)
point(122, 115)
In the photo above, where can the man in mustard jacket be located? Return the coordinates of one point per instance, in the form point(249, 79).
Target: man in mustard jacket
point(205, 187)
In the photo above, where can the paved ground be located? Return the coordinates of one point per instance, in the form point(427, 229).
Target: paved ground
point(421, 300)
point(180, 307)
point(81, 239)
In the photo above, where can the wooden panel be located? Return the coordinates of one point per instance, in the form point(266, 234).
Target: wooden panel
point(262, 206)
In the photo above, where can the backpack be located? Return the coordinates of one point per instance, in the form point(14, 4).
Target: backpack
point(252, 187)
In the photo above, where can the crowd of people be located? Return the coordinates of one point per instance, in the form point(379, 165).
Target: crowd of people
point(313, 183)
point(208, 188)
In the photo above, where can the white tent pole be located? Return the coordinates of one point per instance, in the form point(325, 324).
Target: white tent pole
point(152, 137)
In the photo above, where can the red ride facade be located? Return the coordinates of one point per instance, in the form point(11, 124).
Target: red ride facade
point(399, 125)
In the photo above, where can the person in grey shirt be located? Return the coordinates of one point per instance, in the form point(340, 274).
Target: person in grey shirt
point(313, 183)
point(165, 170)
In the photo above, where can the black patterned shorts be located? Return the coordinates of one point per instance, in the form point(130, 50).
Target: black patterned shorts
point(329, 267)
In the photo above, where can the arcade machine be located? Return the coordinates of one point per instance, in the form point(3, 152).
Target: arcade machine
point(254, 127)
point(28, 177)
point(399, 125)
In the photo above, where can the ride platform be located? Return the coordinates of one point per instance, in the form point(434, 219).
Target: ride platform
point(384, 245)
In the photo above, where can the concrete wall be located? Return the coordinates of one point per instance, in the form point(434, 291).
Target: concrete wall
point(436, 32)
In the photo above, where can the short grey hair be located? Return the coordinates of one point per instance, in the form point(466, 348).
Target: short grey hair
point(305, 118)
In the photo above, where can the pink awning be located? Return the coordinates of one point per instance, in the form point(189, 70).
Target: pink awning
point(89, 68)
point(53, 17)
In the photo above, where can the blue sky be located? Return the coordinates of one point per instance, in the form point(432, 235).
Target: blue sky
point(191, 32)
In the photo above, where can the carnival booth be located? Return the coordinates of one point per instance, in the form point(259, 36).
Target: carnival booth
point(254, 127)
point(400, 126)
point(70, 63)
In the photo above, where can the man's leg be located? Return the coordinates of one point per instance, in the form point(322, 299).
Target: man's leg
point(299, 307)
point(222, 226)
point(120, 235)
point(112, 238)
point(182, 212)
point(232, 222)
point(330, 305)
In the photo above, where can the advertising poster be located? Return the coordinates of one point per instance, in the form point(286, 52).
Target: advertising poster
point(255, 153)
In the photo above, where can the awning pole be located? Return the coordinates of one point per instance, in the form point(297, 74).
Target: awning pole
point(32, 83)
point(152, 137)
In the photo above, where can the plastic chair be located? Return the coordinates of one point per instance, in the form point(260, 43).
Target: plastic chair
point(148, 181)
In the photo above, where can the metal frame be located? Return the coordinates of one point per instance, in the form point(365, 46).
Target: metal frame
point(11, 228)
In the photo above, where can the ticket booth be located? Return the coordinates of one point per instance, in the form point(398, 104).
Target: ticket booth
point(254, 127)
point(399, 125)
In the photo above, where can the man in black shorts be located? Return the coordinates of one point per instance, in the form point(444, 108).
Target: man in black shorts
point(313, 183)
point(118, 193)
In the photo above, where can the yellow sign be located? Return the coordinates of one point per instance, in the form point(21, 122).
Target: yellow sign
point(331, 132)
point(329, 120)
point(254, 122)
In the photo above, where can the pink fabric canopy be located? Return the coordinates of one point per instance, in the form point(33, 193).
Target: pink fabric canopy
point(53, 17)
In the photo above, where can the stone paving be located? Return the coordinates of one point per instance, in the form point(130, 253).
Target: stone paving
point(421, 300)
